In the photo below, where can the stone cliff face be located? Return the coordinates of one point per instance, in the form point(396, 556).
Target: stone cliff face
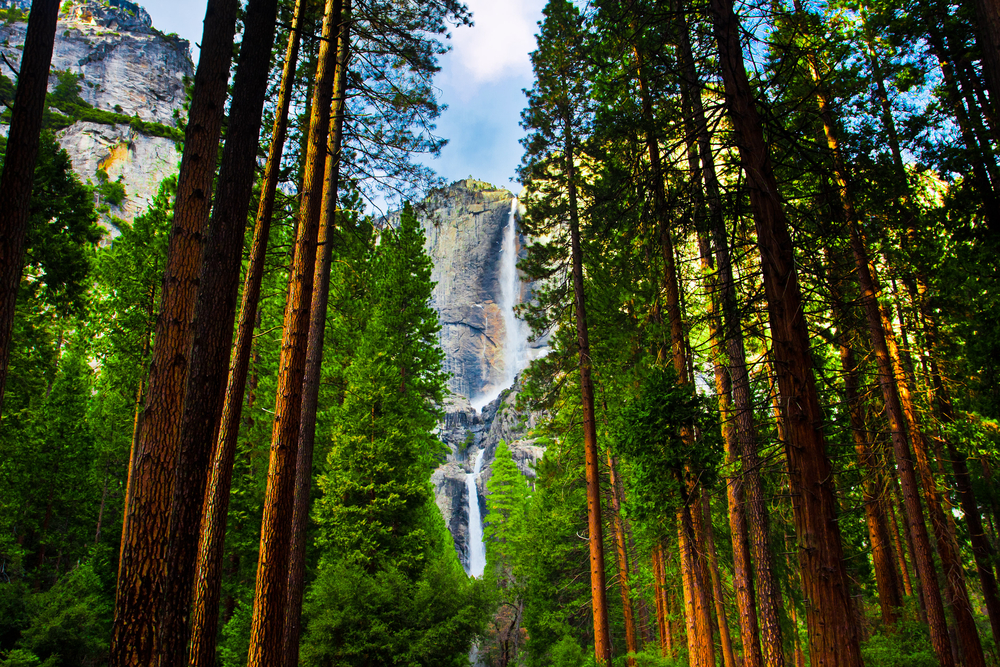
point(126, 68)
point(464, 224)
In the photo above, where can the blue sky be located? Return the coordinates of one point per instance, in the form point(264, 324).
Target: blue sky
point(481, 81)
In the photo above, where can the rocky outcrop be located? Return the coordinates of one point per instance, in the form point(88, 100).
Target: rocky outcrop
point(464, 225)
point(126, 68)
point(465, 432)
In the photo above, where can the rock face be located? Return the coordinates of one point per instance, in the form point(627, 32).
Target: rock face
point(464, 224)
point(128, 68)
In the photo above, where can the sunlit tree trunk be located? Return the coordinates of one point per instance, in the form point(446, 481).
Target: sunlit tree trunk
point(314, 352)
point(271, 592)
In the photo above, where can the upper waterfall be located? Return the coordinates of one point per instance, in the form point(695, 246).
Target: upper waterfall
point(516, 332)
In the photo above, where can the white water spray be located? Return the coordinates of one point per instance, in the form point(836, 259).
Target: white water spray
point(515, 345)
point(477, 550)
point(515, 349)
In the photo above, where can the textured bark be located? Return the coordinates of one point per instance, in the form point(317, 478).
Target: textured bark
point(598, 590)
point(270, 595)
point(19, 164)
point(738, 380)
point(314, 352)
point(729, 658)
point(697, 616)
point(213, 328)
point(889, 502)
point(888, 588)
point(988, 40)
point(659, 593)
point(621, 551)
point(954, 574)
point(142, 568)
point(833, 631)
point(204, 614)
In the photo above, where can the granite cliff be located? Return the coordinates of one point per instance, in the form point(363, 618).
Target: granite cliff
point(465, 225)
point(132, 82)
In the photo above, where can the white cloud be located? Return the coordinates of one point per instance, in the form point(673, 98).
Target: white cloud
point(498, 45)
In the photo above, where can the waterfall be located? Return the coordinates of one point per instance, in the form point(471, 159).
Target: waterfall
point(515, 349)
point(477, 550)
point(515, 344)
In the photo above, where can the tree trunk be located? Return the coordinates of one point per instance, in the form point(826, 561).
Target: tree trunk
point(697, 617)
point(204, 615)
point(729, 658)
point(213, 328)
point(631, 646)
point(602, 638)
point(988, 40)
point(833, 632)
point(141, 571)
point(659, 592)
point(314, 351)
point(270, 595)
point(18, 176)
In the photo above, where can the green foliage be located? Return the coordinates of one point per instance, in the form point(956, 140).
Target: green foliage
point(66, 98)
point(908, 646)
point(66, 625)
point(113, 192)
point(506, 504)
point(567, 653)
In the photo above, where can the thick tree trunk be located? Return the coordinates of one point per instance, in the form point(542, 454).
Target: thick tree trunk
point(270, 595)
point(204, 615)
point(18, 176)
point(598, 590)
point(618, 523)
point(833, 632)
point(314, 351)
point(142, 568)
point(213, 328)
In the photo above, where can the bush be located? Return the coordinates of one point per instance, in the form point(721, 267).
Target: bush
point(908, 646)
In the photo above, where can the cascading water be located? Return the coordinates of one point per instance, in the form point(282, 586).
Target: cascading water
point(515, 349)
point(477, 550)
point(515, 346)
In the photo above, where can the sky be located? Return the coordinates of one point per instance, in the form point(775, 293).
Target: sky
point(481, 80)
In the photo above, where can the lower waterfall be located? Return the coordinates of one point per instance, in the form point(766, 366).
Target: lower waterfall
point(477, 550)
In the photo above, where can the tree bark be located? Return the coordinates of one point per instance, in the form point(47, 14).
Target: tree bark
point(833, 631)
point(18, 176)
point(314, 351)
point(659, 593)
point(213, 328)
point(631, 645)
point(207, 586)
point(598, 590)
point(729, 658)
point(142, 568)
point(270, 594)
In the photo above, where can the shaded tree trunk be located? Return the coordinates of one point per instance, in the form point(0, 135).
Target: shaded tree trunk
point(18, 176)
point(213, 328)
point(207, 586)
point(141, 571)
point(729, 658)
point(833, 631)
